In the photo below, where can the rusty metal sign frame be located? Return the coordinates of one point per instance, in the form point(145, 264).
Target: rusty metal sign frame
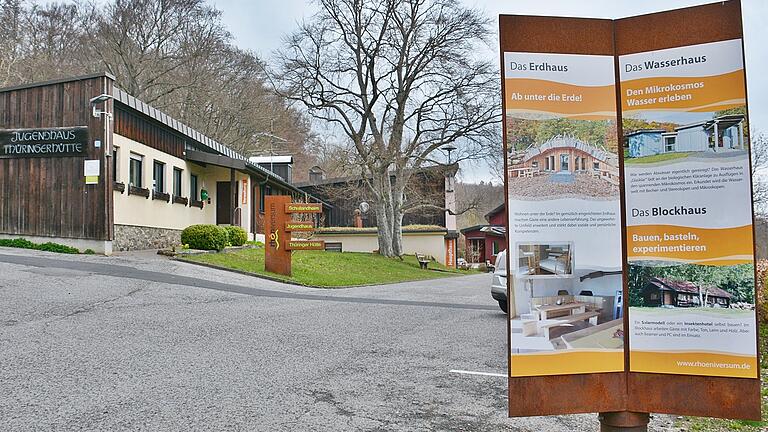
point(624, 391)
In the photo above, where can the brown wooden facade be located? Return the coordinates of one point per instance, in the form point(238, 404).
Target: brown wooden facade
point(47, 196)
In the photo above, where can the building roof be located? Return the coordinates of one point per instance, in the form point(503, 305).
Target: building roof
point(688, 287)
point(495, 211)
point(561, 141)
point(497, 230)
point(644, 131)
point(271, 159)
point(208, 143)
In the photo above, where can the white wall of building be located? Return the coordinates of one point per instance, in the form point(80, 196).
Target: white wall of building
point(423, 243)
point(139, 211)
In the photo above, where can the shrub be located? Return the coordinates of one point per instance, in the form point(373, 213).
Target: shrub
point(205, 237)
point(59, 248)
point(48, 247)
point(89, 252)
point(237, 235)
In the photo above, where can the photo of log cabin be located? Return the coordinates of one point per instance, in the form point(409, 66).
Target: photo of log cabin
point(691, 286)
point(680, 293)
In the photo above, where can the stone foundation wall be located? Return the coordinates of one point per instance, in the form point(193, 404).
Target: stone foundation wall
point(131, 237)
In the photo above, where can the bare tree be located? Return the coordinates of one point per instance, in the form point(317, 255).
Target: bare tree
point(759, 148)
point(400, 80)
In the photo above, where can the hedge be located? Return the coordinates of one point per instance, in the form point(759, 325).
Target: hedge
point(205, 237)
point(237, 235)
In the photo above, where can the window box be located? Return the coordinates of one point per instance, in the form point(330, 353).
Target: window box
point(180, 200)
point(133, 190)
point(120, 187)
point(196, 203)
point(161, 196)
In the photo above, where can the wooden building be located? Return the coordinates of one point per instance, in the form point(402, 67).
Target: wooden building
point(566, 154)
point(484, 242)
point(84, 163)
point(668, 292)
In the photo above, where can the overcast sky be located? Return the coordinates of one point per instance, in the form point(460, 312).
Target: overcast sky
point(260, 25)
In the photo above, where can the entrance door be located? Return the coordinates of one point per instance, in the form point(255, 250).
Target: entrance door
point(564, 162)
point(223, 203)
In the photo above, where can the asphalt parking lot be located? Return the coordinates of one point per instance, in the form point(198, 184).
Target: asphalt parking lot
point(137, 342)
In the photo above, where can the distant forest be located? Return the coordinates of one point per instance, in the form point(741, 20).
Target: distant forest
point(176, 55)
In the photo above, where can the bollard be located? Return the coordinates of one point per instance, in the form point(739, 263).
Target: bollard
point(624, 421)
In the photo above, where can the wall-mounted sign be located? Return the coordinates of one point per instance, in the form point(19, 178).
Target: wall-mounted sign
point(47, 142)
point(92, 169)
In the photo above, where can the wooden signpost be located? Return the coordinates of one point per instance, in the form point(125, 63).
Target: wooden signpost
point(278, 229)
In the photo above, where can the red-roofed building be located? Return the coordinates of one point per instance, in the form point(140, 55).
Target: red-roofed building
point(484, 242)
point(668, 292)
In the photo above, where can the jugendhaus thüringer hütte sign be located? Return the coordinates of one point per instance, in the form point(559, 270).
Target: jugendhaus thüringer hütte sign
point(49, 142)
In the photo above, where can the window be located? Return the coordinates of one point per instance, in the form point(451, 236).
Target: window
point(265, 190)
point(159, 177)
point(193, 188)
point(137, 162)
point(669, 144)
point(564, 159)
point(114, 163)
point(534, 165)
point(596, 166)
point(495, 247)
point(176, 182)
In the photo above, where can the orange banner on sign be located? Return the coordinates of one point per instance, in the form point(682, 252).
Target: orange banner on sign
point(720, 246)
point(567, 362)
point(564, 100)
point(694, 363)
point(697, 94)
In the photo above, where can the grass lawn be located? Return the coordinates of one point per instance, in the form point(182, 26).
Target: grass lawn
point(655, 158)
point(331, 269)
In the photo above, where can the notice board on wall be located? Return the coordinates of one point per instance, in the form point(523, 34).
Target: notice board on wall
point(631, 264)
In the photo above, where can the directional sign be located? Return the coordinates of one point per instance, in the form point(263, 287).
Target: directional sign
point(305, 245)
point(303, 208)
point(299, 226)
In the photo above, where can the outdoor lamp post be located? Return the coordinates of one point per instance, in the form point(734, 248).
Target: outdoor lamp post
point(448, 148)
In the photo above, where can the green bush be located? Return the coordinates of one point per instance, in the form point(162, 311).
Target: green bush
point(89, 252)
point(48, 247)
point(237, 235)
point(205, 237)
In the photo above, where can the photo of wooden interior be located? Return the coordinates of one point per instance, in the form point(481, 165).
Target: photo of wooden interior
point(545, 259)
